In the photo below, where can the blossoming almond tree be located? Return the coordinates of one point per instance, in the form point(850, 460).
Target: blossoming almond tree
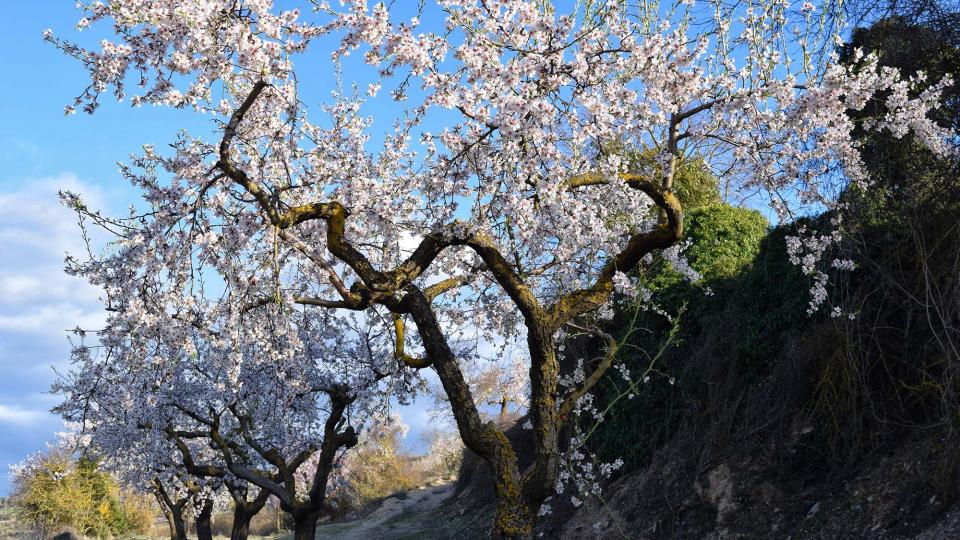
point(174, 497)
point(496, 200)
point(161, 397)
point(146, 460)
point(187, 463)
point(494, 385)
point(241, 398)
point(119, 426)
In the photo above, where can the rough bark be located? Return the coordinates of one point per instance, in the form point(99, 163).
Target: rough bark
point(172, 510)
point(514, 519)
point(240, 528)
point(204, 531)
point(244, 510)
point(178, 528)
point(540, 478)
point(305, 526)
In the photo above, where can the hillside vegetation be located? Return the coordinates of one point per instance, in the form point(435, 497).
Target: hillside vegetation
point(755, 416)
point(755, 411)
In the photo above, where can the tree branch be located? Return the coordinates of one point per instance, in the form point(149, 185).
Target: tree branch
point(663, 235)
point(398, 352)
point(191, 466)
point(567, 405)
point(245, 473)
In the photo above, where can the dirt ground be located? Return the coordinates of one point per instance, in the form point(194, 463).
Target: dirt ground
point(398, 516)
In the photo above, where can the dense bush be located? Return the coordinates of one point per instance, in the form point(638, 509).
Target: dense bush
point(731, 250)
point(55, 490)
point(746, 359)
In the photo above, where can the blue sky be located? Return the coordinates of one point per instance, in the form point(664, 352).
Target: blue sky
point(43, 151)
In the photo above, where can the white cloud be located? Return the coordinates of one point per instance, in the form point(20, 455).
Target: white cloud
point(16, 286)
point(418, 420)
point(36, 232)
point(52, 319)
point(16, 415)
point(38, 303)
point(34, 211)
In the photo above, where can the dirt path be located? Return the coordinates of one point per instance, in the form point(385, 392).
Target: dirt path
point(395, 518)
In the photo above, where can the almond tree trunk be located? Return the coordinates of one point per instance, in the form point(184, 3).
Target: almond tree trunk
point(305, 526)
point(178, 529)
point(204, 531)
point(513, 520)
point(243, 512)
point(241, 523)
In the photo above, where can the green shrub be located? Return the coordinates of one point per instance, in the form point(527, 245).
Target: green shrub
point(55, 490)
point(728, 246)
